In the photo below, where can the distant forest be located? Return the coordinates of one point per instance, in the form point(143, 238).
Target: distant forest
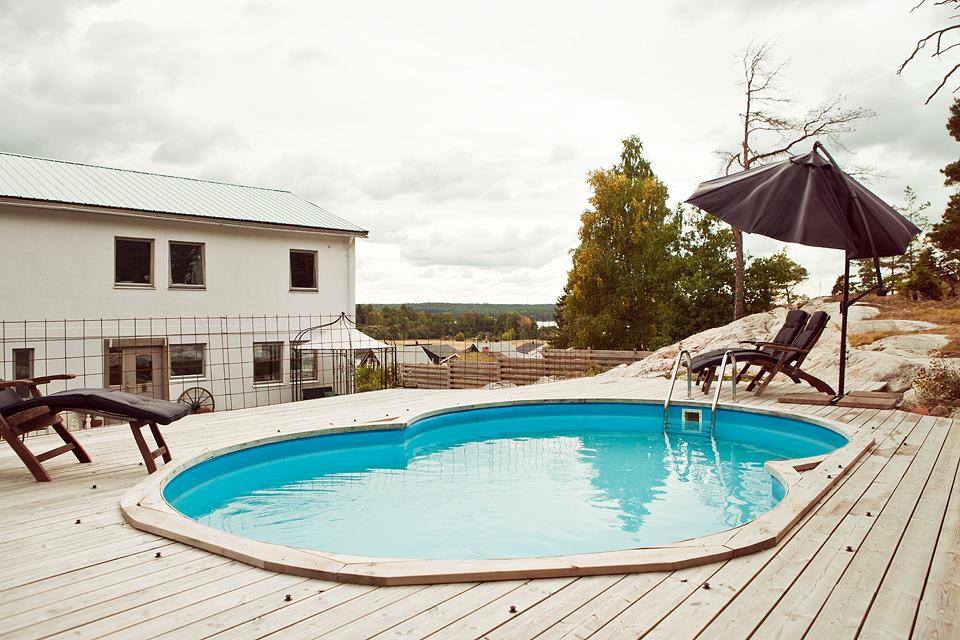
point(540, 312)
point(457, 321)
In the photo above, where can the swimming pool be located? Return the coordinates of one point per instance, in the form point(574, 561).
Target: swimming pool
point(518, 481)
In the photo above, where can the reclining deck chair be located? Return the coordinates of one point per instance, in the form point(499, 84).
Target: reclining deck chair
point(19, 416)
point(788, 360)
point(705, 364)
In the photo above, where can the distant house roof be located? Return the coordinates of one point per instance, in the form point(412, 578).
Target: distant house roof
point(442, 351)
point(527, 347)
point(504, 347)
point(412, 354)
point(30, 178)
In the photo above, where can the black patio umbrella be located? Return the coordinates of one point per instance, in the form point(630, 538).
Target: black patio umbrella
point(808, 199)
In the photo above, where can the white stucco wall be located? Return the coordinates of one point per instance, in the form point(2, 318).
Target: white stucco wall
point(59, 298)
point(60, 264)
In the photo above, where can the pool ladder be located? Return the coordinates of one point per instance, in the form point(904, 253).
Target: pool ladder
point(684, 356)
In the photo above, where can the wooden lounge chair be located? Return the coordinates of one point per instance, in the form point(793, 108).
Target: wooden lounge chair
point(788, 359)
point(705, 364)
point(19, 416)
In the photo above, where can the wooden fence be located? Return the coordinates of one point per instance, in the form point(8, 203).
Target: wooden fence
point(425, 376)
point(555, 364)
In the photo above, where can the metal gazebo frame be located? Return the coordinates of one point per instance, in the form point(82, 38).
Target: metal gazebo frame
point(343, 345)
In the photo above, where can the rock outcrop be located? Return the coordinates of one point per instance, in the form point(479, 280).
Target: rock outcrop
point(894, 359)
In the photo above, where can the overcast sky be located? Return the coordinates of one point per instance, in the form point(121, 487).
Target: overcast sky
point(459, 134)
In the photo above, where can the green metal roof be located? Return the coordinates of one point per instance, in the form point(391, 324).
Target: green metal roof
point(85, 184)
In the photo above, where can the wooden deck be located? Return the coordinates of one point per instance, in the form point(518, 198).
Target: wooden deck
point(878, 557)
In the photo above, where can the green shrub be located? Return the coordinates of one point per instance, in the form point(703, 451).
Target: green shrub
point(370, 379)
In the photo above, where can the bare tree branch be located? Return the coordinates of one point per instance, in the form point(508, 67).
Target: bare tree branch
point(768, 133)
point(943, 82)
point(937, 43)
point(922, 43)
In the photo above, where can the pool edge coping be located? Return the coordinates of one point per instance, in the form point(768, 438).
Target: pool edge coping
point(805, 482)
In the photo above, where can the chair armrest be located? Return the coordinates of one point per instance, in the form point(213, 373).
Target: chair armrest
point(781, 347)
point(753, 342)
point(9, 384)
point(45, 379)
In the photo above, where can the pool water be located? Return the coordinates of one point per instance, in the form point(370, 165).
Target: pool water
point(516, 481)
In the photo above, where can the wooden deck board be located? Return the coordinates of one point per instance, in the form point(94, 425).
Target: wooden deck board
point(101, 579)
point(791, 560)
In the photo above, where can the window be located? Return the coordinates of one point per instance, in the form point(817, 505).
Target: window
point(22, 368)
point(303, 270)
point(114, 367)
point(22, 364)
point(187, 359)
point(266, 361)
point(304, 361)
point(133, 261)
point(186, 264)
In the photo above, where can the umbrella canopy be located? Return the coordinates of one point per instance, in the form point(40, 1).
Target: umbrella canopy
point(808, 200)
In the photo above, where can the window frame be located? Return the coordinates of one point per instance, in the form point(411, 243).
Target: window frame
point(22, 390)
point(279, 361)
point(296, 362)
point(135, 285)
point(316, 270)
point(203, 266)
point(202, 346)
point(107, 372)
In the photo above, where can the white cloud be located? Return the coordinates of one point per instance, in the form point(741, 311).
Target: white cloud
point(447, 176)
point(460, 136)
point(501, 249)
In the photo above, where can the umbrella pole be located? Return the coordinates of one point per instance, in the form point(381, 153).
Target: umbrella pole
point(844, 308)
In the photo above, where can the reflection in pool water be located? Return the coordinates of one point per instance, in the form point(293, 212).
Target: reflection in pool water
point(510, 484)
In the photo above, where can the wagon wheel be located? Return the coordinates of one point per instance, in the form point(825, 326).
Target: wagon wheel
point(198, 399)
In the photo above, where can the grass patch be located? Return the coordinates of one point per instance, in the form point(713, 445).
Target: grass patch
point(869, 337)
point(943, 313)
point(952, 348)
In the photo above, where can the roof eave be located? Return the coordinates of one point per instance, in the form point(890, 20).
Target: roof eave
point(166, 215)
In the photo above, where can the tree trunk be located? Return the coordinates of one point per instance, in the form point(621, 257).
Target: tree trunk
point(738, 279)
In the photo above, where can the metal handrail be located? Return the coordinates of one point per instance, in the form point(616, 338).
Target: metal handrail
point(673, 381)
point(733, 383)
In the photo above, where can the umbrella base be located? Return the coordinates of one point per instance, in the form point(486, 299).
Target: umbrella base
point(822, 399)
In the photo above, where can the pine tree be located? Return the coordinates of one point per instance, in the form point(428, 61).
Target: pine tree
point(923, 283)
point(945, 235)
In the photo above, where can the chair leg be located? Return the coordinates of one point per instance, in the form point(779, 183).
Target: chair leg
point(708, 380)
point(161, 442)
point(25, 455)
point(815, 382)
point(742, 373)
point(149, 456)
point(26, 422)
point(67, 437)
point(763, 383)
point(771, 374)
point(757, 379)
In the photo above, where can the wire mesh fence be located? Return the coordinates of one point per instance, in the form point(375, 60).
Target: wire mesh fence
point(232, 362)
point(215, 363)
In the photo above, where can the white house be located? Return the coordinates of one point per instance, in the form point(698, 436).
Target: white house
point(157, 284)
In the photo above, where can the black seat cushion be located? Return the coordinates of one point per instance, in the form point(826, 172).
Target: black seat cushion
point(713, 357)
point(793, 323)
point(102, 401)
point(9, 397)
